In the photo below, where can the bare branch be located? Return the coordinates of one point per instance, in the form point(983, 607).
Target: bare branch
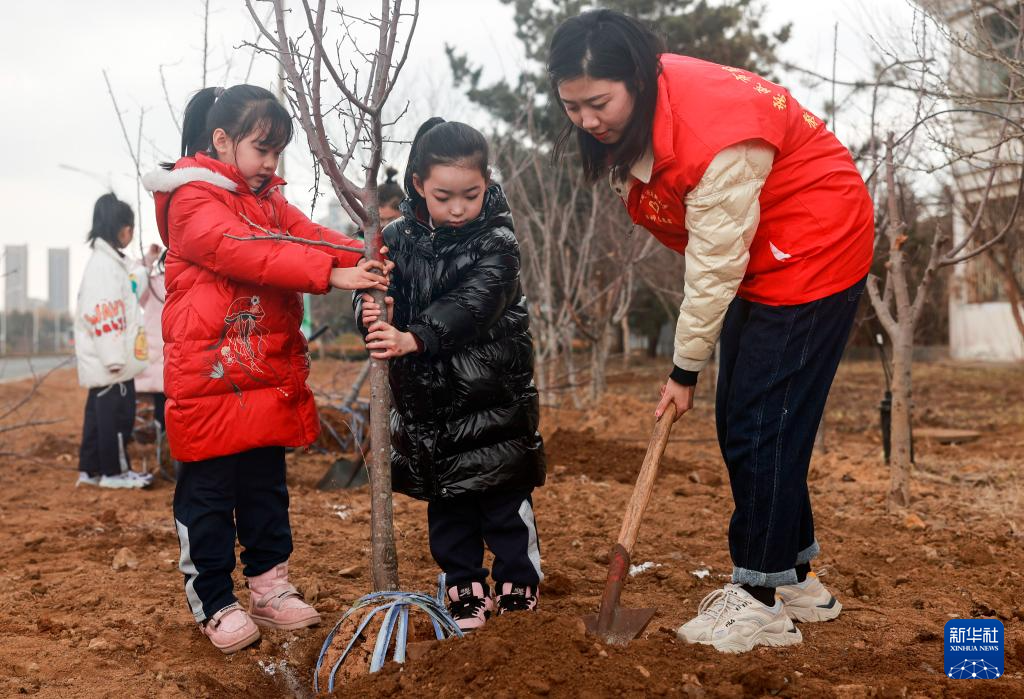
point(167, 98)
point(272, 235)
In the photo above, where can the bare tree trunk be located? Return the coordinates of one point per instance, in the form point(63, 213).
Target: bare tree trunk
point(599, 363)
point(540, 361)
point(899, 325)
point(568, 335)
point(365, 94)
point(626, 335)
point(548, 369)
point(902, 361)
point(357, 385)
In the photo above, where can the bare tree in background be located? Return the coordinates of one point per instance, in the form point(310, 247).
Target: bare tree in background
point(580, 256)
point(981, 149)
point(901, 302)
point(960, 80)
point(323, 86)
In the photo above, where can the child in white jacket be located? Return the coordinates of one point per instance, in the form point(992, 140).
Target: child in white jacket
point(110, 345)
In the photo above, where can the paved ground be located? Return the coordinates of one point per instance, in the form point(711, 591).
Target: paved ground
point(14, 368)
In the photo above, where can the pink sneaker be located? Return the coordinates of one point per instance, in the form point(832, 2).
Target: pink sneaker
point(275, 602)
point(230, 629)
point(514, 598)
point(470, 604)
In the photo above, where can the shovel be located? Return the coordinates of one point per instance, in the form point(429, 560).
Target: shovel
point(344, 474)
point(614, 624)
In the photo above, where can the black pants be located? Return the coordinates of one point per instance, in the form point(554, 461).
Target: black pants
point(504, 521)
point(211, 497)
point(777, 366)
point(108, 424)
point(159, 402)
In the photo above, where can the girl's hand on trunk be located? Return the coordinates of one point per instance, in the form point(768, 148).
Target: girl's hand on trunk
point(371, 310)
point(385, 341)
point(368, 274)
point(388, 264)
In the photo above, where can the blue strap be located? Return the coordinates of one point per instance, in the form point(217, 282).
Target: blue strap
point(396, 607)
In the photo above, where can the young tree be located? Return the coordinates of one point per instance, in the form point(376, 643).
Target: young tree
point(957, 141)
point(311, 60)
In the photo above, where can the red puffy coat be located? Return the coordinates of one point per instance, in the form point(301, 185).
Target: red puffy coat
point(816, 229)
point(235, 363)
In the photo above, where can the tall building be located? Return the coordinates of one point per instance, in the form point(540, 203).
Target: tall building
point(16, 277)
point(58, 280)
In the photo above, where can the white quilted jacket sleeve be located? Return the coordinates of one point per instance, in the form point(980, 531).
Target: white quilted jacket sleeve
point(722, 214)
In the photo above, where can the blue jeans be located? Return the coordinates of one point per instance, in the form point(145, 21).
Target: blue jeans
point(776, 368)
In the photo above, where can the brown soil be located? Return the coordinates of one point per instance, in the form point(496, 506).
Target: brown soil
point(74, 626)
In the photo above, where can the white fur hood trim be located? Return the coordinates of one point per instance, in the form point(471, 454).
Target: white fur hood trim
point(161, 180)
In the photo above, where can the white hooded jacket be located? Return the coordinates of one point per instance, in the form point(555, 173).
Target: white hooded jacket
point(110, 341)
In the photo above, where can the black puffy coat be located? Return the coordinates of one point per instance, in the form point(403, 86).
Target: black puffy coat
point(466, 410)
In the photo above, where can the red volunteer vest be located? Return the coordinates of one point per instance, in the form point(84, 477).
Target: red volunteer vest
point(816, 231)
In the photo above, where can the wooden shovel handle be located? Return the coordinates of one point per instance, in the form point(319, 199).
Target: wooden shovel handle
point(645, 480)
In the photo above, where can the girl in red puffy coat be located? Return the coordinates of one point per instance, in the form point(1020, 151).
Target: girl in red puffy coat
point(235, 362)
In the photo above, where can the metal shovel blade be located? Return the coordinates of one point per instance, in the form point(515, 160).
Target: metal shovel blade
point(613, 624)
point(626, 624)
point(342, 474)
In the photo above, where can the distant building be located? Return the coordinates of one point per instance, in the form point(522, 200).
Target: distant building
point(59, 296)
point(15, 277)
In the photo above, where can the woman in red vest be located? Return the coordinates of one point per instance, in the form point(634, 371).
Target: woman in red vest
point(776, 227)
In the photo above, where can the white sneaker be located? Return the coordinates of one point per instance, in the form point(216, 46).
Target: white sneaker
point(809, 600)
point(128, 479)
point(85, 479)
point(734, 622)
point(147, 477)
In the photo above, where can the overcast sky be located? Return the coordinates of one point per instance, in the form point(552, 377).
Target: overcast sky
point(63, 145)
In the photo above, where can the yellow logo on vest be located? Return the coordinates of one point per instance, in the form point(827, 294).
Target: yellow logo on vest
point(657, 209)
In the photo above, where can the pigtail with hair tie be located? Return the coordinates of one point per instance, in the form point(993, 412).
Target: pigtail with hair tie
point(413, 165)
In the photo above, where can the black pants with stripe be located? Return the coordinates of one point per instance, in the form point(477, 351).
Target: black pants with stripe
point(108, 424)
point(504, 521)
point(213, 499)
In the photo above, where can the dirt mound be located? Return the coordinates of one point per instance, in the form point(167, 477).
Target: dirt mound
point(575, 453)
point(543, 654)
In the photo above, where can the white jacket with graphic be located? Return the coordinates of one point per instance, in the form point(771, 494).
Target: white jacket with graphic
point(110, 342)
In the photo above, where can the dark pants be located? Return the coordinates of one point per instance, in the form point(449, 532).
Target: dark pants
point(776, 369)
point(210, 498)
point(460, 527)
point(109, 421)
point(159, 402)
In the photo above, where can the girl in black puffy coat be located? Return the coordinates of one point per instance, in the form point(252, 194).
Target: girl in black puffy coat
point(465, 415)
